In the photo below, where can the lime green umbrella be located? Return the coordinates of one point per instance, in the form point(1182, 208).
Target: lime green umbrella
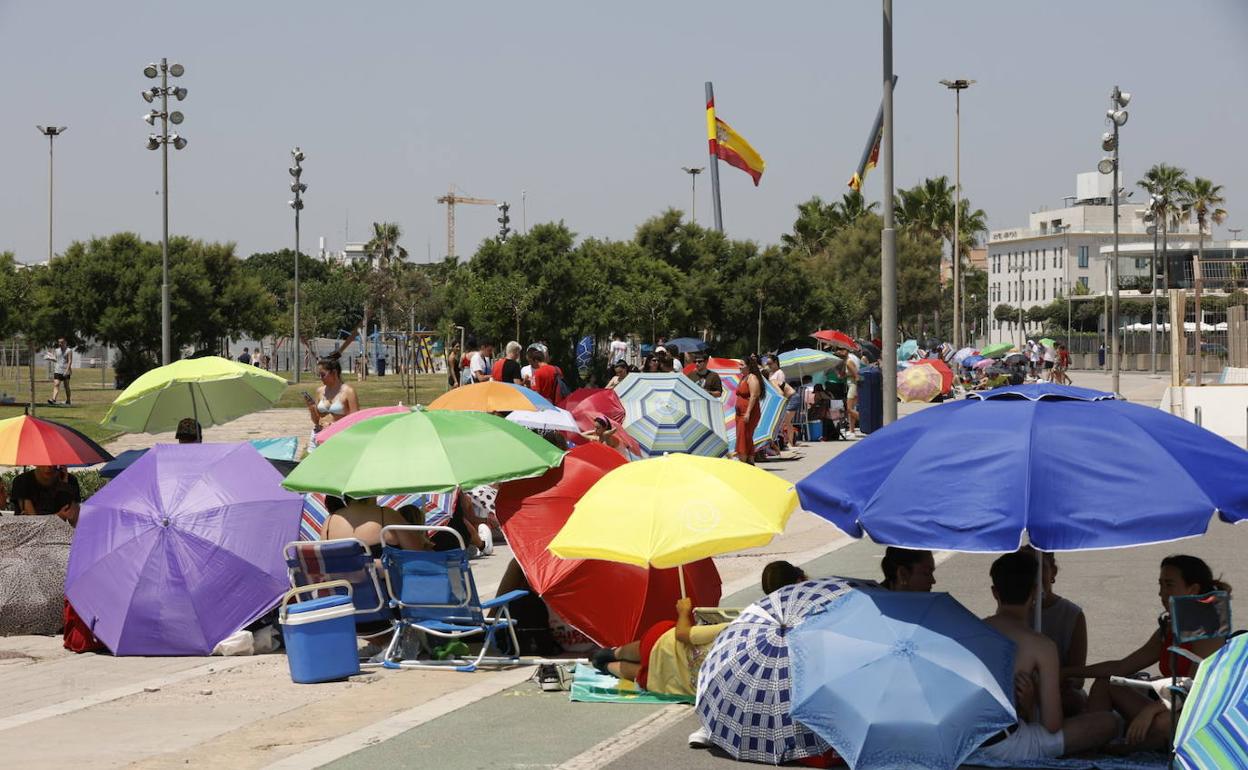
point(1048, 342)
point(996, 349)
point(211, 389)
point(423, 451)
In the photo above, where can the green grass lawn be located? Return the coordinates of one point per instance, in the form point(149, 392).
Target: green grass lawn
point(92, 399)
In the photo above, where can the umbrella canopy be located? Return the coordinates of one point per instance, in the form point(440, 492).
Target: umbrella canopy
point(670, 413)
point(918, 384)
point(745, 684)
point(182, 550)
point(1048, 342)
point(435, 507)
point(672, 510)
point(985, 363)
point(211, 389)
point(771, 408)
point(26, 440)
point(587, 403)
point(686, 345)
point(717, 365)
point(277, 448)
point(114, 467)
point(946, 374)
point(942, 679)
point(907, 350)
point(1069, 468)
point(342, 423)
point(962, 355)
point(34, 551)
point(1213, 725)
point(834, 337)
point(869, 349)
point(545, 419)
point(423, 451)
point(1014, 358)
point(970, 361)
point(996, 349)
point(491, 396)
point(610, 602)
point(803, 361)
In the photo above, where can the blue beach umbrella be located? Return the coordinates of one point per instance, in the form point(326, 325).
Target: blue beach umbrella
point(686, 345)
point(970, 361)
point(907, 349)
point(745, 683)
point(1068, 468)
point(1213, 726)
point(669, 413)
point(896, 679)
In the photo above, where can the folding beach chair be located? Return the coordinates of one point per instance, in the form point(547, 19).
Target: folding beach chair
point(434, 593)
point(309, 563)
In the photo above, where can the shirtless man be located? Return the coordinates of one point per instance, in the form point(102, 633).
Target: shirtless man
point(1041, 732)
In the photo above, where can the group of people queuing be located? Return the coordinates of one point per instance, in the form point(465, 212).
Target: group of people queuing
point(528, 366)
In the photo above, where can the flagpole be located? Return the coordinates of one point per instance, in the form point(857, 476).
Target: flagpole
point(888, 238)
point(710, 135)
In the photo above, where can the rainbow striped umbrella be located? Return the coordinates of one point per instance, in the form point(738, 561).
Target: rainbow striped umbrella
point(491, 396)
point(1213, 726)
point(26, 440)
point(437, 507)
point(670, 413)
point(770, 415)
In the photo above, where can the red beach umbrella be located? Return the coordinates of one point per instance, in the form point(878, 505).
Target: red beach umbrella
point(836, 338)
point(610, 602)
point(587, 403)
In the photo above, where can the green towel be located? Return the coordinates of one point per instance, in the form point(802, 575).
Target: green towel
point(590, 686)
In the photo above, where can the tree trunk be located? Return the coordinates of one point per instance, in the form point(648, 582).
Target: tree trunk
point(1199, 369)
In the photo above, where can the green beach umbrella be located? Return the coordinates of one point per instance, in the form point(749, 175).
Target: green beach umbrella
point(1213, 725)
point(996, 350)
point(423, 451)
point(1048, 342)
point(211, 389)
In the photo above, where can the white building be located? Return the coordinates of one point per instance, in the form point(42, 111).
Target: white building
point(351, 254)
point(1036, 264)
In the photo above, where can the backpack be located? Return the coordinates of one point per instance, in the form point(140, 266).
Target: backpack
point(77, 635)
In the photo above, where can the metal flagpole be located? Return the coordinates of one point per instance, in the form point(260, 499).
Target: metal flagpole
point(888, 238)
point(711, 133)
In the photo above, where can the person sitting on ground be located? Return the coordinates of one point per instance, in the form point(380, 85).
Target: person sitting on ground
point(1041, 732)
point(1063, 621)
point(1149, 720)
point(46, 490)
point(667, 657)
point(189, 431)
point(602, 432)
point(778, 574)
point(908, 570)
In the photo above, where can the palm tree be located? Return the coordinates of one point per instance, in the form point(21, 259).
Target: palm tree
point(1204, 199)
point(814, 227)
point(1165, 184)
point(385, 248)
point(853, 206)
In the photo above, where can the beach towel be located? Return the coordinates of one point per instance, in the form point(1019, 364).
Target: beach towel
point(590, 686)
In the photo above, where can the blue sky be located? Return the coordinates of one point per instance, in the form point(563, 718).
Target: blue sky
point(589, 107)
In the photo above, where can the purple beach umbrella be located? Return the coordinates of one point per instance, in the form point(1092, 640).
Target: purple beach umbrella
point(182, 550)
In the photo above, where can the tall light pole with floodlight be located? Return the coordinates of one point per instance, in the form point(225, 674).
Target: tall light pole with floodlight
point(1117, 117)
point(298, 188)
point(51, 132)
point(161, 142)
point(693, 172)
point(957, 86)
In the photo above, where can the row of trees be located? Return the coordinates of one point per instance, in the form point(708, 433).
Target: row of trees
point(671, 278)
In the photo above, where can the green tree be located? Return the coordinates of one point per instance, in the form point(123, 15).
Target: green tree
point(1203, 199)
point(1165, 185)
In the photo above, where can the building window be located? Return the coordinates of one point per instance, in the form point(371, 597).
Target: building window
point(1141, 263)
point(1083, 256)
point(1083, 281)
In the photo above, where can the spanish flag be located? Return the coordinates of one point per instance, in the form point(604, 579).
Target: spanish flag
point(731, 147)
point(869, 161)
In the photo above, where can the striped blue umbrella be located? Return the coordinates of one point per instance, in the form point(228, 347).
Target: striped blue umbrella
point(803, 361)
point(771, 410)
point(745, 683)
point(670, 413)
point(1213, 726)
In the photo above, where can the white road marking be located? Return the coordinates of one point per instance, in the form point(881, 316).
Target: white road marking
point(627, 739)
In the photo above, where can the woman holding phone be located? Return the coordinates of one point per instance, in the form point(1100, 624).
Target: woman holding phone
point(334, 399)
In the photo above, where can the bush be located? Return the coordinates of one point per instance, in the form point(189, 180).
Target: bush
point(89, 482)
point(129, 364)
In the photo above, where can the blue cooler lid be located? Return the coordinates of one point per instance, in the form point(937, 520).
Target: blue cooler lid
point(323, 603)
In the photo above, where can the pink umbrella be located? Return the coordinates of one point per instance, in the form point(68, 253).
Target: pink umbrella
point(987, 362)
point(364, 414)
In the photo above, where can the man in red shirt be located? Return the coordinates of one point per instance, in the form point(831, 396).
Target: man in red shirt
point(545, 376)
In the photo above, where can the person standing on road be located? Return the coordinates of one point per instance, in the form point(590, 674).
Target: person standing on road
point(1050, 362)
point(1063, 363)
point(480, 364)
point(245, 356)
point(705, 378)
point(618, 351)
point(749, 395)
point(507, 369)
point(62, 369)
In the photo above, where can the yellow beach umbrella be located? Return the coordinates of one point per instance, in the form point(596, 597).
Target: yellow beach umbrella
point(676, 509)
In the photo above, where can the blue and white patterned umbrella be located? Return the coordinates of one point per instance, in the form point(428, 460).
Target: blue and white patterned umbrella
point(745, 683)
point(670, 413)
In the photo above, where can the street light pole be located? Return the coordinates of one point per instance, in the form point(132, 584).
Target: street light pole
point(51, 132)
point(957, 86)
point(162, 142)
point(888, 237)
point(1117, 116)
point(298, 188)
point(693, 181)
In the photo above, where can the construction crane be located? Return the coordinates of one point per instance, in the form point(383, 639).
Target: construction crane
point(450, 199)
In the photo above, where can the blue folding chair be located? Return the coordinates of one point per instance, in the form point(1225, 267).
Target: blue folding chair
point(434, 593)
point(310, 563)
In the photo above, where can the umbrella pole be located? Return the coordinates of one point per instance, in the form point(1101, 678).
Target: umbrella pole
point(194, 409)
point(1039, 598)
point(680, 574)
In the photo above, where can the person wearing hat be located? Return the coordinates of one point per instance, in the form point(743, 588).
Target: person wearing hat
point(705, 378)
point(189, 431)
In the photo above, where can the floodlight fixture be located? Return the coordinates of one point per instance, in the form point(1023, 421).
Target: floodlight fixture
point(1108, 141)
point(176, 118)
point(1118, 116)
point(1106, 166)
point(153, 142)
point(179, 93)
point(178, 141)
point(151, 70)
point(1120, 97)
point(177, 70)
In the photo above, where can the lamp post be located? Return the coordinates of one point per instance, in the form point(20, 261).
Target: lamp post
point(693, 182)
point(51, 132)
point(161, 142)
point(957, 86)
point(1117, 117)
point(298, 188)
point(888, 234)
point(1154, 209)
point(1018, 267)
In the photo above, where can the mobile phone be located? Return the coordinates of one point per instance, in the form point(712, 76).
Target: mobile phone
point(307, 397)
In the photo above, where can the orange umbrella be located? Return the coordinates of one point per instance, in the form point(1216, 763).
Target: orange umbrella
point(946, 374)
point(491, 396)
